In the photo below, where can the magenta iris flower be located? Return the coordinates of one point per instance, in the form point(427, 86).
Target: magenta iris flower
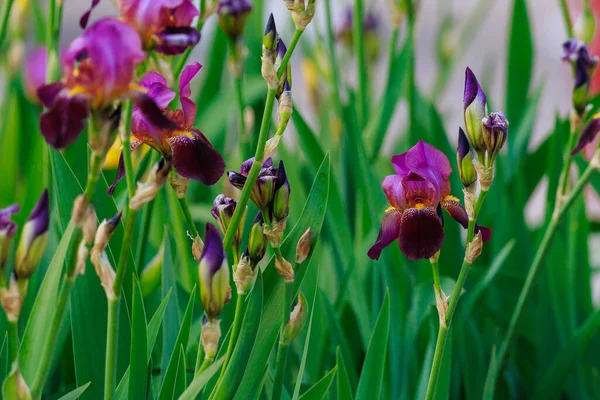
point(417, 193)
point(192, 154)
point(163, 25)
point(98, 69)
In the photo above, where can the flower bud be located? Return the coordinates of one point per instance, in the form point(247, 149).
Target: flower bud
point(257, 242)
point(464, 159)
point(583, 64)
point(284, 110)
point(211, 333)
point(33, 239)
point(281, 200)
point(296, 322)
point(262, 192)
point(7, 230)
point(270, 37)
point(475, 109)
point(146, 191)
point(285, 269)
point(495, 130)
point(244, 274)
point(233, 15)
point(213, 273)
point(303, 247)
point(105, 232)
point(222, 211)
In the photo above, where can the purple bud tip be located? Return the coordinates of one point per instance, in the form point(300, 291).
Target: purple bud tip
point(281, 49)
point(286, 86)
point(114, 221)
point(472, 88)
point(496, 120)
point(213, 253)
point(271, 28)
point(40, 215)
point(281, 177)
point(463, 144)
point(258, 218)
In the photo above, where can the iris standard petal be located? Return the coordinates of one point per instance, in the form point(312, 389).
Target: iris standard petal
point(195, 158)
point(421, 233)
point(389, 231)
point(418, 190)
point(394, 191)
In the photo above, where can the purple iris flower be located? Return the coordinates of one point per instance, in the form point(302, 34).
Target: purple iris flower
point(192, 154)
point(417, 193)
point(163, 25)
point(213, 273)
point(98, 70)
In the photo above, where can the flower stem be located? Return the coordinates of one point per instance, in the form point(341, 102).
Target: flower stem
point(110, 374)
point(283, 348)
point(289, 52)
point(4, 20)
point(183, 59)
point(200, 368)
point(446, 320)
point(188, 216)
point(361, 62)
point(566, 18)
point(240, 310)
point(539, 257)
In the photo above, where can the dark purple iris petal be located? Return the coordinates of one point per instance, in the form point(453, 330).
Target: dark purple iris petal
point(421, 233)
point(48, 93)
point(237, 180)
point(588, 135)
point(152, 112)
point(86, 16)
point(389, 231)
point(472, 89)
point(458, 212)
point(62, 124)
point(246, 165)
point(40, 215)
point(196, 159)
point(173, 41)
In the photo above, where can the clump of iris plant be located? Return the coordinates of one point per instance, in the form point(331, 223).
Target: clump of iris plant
point(192, 154)
point(417, 193)
point(98, 68)
point(163, 25)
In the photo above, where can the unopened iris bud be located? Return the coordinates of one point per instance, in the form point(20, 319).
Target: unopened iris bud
point(271, 36)
point(257, 242)
point(296, 322)
point(33, 239)
point(263, 190)
point(233, 15)
point(464, 159)
point(281, 200)
point(7, 230)
point(495, 130)
point(475, 109)
point(222, 211)
point(284, 111)
point(213, 273)
point(584, 64)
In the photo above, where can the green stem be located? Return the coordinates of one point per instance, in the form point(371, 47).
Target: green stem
point(361, 62)
point(412, 110)
point(436, 274)
point(184, 57)
point(205, 364)
point(143, 238)
point(240, 310)
point(110, 375)
point(566, 17)
point(4, 20)
point(44, 366)
point(282, 350)
point(188, 216)
point(237, 72)
point(13, 340)
point(446, 320)
point(288, 53)
point(539, 257)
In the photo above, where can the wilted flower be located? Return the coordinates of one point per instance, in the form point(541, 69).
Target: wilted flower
point(7, 230)
point(417, 193)
point(192, 154)
point(263, 190)
point(98, 68)
point(232, 16)
point(34, 74)
point(33, 239)
point(214, 273)
point(163, 25)
point(584, 64)
point(495, 130)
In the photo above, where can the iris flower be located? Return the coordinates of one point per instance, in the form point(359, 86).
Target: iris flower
point(163, 25)
point(192, 154)
point(98, 70)
point(417, 193)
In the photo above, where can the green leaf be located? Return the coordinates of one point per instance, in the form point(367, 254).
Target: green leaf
point(42, 312)
point(344, 390)
point(180, 378)
point(152, 334)
point(519, 62)
point(312, 216)
point(168, 384)
point(200, 381)
point(138, 364)
point(75, 394)
point(306, 344)
point(241, 353)
point(371, 378)
point(319, 390)
point(171, 316)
